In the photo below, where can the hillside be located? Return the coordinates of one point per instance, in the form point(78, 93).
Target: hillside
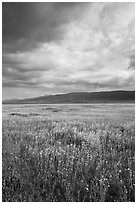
point(79, 97)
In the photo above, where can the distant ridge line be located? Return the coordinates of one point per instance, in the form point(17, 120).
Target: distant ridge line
point(79, 97)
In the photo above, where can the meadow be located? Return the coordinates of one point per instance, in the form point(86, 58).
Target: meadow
point(70, 153)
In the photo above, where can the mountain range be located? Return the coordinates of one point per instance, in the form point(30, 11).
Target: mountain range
point(79, 97)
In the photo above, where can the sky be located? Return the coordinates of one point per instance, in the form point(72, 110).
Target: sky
point(63, 47)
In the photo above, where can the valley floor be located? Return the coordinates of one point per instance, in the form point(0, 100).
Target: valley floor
point(70, 153)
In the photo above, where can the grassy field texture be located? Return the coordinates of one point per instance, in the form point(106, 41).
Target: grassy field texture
point(70, 153)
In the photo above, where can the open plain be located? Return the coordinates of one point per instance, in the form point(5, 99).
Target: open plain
point(70, 153)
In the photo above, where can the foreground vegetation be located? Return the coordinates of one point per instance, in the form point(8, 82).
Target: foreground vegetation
point(73, 159)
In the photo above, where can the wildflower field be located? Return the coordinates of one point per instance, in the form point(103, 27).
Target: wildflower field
point(70, 153)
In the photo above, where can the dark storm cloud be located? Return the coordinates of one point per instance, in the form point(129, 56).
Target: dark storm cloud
point(25, 24)
point(16, 20)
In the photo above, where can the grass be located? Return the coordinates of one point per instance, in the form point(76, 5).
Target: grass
point(68, 155)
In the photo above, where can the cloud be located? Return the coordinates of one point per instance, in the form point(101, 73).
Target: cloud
point(131, 56)
point(72, 47)
point(26, 24)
